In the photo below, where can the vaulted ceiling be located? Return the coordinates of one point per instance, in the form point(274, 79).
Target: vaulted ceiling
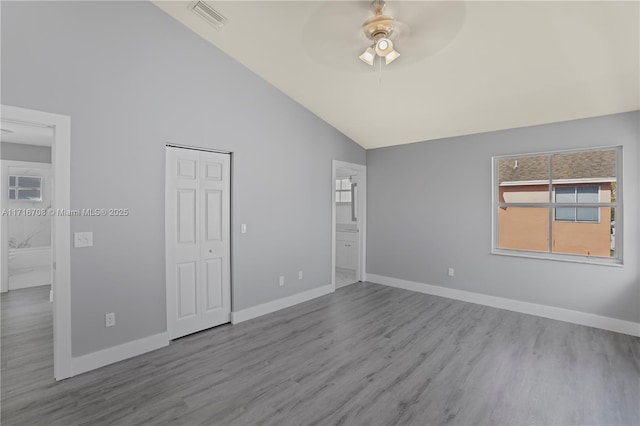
point(465, 67)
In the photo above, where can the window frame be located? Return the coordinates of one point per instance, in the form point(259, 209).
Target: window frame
point(616, 260)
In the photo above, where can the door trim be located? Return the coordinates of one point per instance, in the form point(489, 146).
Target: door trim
point(61, 235)
point(362, 211)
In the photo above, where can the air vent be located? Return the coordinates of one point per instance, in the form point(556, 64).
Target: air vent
point(210, 14)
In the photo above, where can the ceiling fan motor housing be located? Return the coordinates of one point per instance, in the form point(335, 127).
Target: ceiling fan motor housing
point(379, 26)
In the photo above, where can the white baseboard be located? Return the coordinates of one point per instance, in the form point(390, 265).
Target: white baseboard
point(567, 315)
point(276, 305)
point(98, 359)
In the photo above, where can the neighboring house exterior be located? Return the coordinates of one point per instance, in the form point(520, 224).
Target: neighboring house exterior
point(583, 177)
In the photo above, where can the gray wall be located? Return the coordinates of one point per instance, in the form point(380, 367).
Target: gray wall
point(22, 152)
point(429, 207)
point(133, 79)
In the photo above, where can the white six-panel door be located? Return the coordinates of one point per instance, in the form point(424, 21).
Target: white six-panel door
point(197, 240)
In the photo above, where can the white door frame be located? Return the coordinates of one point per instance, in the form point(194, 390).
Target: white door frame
point(61, 229)
point(362, 217)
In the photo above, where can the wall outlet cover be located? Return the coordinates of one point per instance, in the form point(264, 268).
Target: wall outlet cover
point(82, 239)
point(110, 319)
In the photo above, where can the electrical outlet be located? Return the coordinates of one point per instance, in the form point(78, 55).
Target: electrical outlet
point(83, 239)
point(281, 280)
point(451, 271)
point(110, 319)
point(299, 275)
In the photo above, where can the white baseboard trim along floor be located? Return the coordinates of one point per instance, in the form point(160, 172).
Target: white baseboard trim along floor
point(88, 362)
point(276, 305)
point(567, 315)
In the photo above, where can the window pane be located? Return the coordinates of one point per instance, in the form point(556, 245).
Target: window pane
point(585, 238)
point(581, 180)
point(346, 184)
point(524, 179)
point(29, 194)
point(345, 196)
point(29, 182)
point(613, 231)
point(587, 214)
point(599, 165)
point(523, 228)
point(337, 184)
point(12, 181)
point(588, 194)
point(337, 197)
point(565, 194)
point(12, 194)
point(566, 213)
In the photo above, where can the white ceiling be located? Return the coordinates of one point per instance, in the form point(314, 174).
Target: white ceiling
point(466, 67)
point(25, 134)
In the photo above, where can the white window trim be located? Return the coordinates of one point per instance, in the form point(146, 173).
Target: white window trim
point(618, 260)
point(557, 181)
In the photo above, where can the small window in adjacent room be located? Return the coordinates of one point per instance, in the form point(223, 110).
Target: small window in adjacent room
point(25, 188)
point(343, 190)
point(559, 205)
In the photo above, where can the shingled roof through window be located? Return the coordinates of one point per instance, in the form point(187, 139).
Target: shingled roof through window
point(571, 165)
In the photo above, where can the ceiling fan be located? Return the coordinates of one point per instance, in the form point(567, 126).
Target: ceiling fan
point(419, 30)
point(380, 29)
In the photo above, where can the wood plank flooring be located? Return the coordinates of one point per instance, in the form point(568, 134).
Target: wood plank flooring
point(365, 355)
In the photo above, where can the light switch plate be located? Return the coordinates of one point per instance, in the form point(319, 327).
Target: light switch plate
point(83, 239)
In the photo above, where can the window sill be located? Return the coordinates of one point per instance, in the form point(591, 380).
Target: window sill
point(560, 257)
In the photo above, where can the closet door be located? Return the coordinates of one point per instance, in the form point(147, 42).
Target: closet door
point(197, 240)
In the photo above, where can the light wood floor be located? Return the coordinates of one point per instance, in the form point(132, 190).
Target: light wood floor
point(366, 354)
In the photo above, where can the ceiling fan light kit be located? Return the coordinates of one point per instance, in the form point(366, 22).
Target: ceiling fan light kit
point(368, 56)
point(379, 28)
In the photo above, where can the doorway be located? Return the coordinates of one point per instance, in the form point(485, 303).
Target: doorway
point(198, 240)
point(31, 231)
point(25, 190)
point(349, 183)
